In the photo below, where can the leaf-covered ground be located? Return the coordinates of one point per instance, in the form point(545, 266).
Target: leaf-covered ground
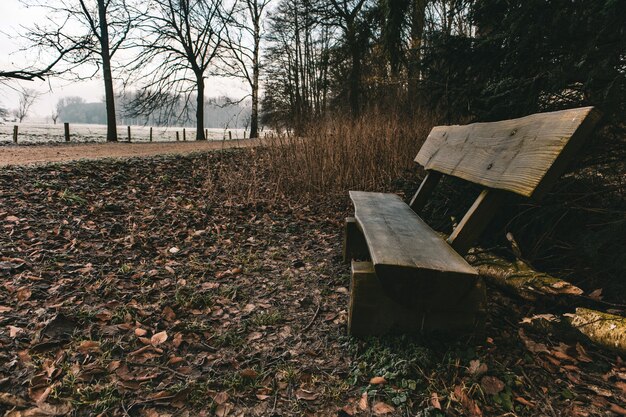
point(184, 286)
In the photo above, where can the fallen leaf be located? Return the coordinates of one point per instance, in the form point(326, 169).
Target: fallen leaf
point(302, 394)
point(248, 373)
point(378, 380)
point(477, 367)
point(221, 397)
point(223, 410)
point(23, 294)
point(363, 404)
point(169, 314)
point(158, 338)
point(491, 385)
point(14, 331)
point(532, 345)
point(380, 408)
point(174, 250)
point(617, 409)
point(254, 336)
point(140, 332)
point(12, 400)
point(524, 401)
point(467, 403)
point(89, 346)
point(596, 294)
point(4, 309)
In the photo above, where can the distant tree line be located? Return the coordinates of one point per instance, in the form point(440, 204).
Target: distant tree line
point(219, 112)
point(306, 59)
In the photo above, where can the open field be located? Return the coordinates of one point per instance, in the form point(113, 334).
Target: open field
point(24, 155)
point(37, 133)
point(186, 285)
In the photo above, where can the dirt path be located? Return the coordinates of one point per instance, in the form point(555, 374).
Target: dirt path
point(26, 155)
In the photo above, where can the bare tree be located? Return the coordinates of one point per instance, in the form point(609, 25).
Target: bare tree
point(242, 44)
point(28, 96)
point(92, 31)
point(178, 41)
point(348, 16)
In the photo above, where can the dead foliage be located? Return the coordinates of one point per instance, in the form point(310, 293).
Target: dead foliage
point(192, 286)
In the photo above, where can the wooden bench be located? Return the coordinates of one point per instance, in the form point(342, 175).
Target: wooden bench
point(408, 278)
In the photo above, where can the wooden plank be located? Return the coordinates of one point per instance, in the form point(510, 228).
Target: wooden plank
point(426, 188)
point(476, 220)
point(372, 313)
point(354, 245)
point(524, 155)
point(412, 261)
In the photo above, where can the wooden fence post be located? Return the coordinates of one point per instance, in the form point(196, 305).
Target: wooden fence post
point(244, 134)
point(230, 135)
point(177, 139)
point(150, 133)
point(206, 134)
point(184, 135)
point(66, 128)
point(15, 134)
point(128, 134)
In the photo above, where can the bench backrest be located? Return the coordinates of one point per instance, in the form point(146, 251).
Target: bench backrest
point(524, 156)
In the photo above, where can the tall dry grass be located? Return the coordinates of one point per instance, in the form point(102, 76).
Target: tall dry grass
point(336, 155)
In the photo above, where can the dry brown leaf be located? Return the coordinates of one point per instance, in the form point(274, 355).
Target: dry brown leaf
point(42, 410)
point(140, 332)
point(223, 410)
point(378, 380)
point(491, 385)
point(582, 354)
point(380, 408)
point(617, 409)
point(158, 338)
point(89, 346)
point(532, 345)
point(14, 331)
point(254, 336)
point(596, 294)
point(221, 397)
point(12, 400)
point(169, 314)
point(23, 294)
point(469, 405)
point(477, 367)
point(5, 309)
point(248, 373)
point(363, 403)
point(302, 394)
point(525, 402)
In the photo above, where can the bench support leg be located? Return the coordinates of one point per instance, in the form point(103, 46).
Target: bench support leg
point(373, 313)
point(354, 245)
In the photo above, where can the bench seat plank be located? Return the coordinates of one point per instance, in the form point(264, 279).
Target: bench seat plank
point(407, 253)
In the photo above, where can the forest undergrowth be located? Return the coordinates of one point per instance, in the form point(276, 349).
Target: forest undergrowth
point(213, 284)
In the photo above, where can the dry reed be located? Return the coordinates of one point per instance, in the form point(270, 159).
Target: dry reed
point(337, 155)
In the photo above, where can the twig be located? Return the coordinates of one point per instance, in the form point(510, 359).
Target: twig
point(319, 304)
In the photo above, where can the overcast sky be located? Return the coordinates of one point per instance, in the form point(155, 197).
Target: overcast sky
point(13, 15)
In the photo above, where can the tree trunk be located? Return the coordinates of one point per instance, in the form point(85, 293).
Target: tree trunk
point(106, 72)
point(354, 85)
point(200, 108)
point(415, 52)
point(254, 116)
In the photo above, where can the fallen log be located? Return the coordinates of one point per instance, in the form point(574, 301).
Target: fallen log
point(608, 330)
point(519, 278)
